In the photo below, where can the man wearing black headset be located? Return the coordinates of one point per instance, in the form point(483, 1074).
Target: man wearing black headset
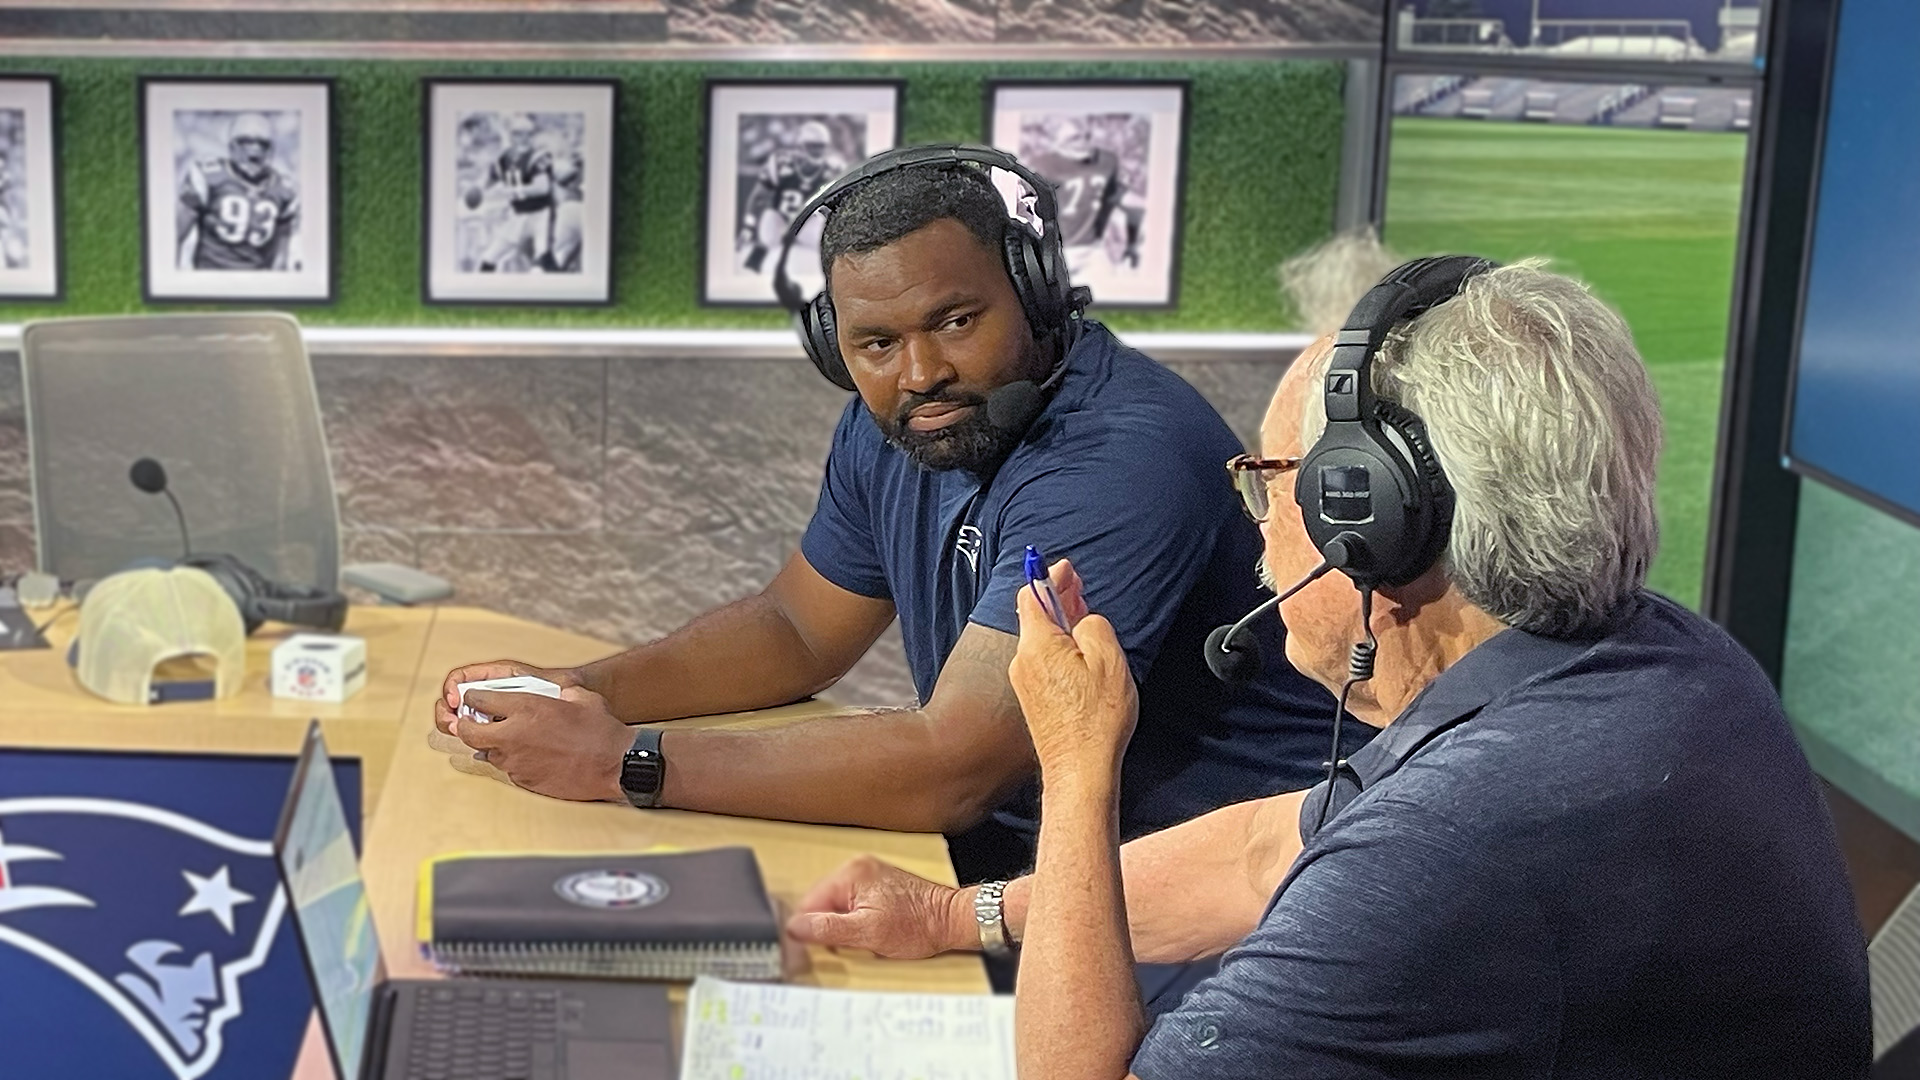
point(1586, 844)
point(989, 417)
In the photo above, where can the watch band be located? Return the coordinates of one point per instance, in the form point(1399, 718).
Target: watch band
point(988, 911)
point(643, 771)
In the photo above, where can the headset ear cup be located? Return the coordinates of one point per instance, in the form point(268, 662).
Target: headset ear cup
point(1436, 493)
point(821, 343)
point(1020, 269)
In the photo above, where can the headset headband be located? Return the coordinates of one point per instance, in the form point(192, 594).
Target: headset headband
point(1409, 291)
point(905, 157)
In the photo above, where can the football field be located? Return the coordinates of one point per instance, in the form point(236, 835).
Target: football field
point(1648, 218)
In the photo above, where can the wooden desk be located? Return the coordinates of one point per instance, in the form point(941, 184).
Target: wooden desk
point(428, 808)
point(43, 704)
point(425, 807)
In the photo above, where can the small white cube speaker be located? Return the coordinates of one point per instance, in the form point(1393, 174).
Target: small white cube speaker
point(319, 667)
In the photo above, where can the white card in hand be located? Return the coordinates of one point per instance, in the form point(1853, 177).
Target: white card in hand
point(513, 684)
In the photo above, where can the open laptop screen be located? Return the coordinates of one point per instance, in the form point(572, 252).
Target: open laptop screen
point(329, 905)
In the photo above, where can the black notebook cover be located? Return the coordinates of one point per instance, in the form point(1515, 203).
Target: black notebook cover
point(698, 898)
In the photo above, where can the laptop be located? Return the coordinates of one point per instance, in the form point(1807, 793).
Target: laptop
point(473, 1029)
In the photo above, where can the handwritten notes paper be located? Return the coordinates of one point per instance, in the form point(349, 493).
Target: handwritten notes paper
point(756, 1031)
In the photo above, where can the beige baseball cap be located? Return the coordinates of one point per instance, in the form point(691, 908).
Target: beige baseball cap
point(134, 621)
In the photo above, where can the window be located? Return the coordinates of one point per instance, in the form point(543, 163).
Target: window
point(1632, 186)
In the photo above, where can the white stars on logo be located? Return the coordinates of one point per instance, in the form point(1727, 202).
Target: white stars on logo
point(214, 895)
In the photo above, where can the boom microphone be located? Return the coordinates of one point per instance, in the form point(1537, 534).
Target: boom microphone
point(151, 477)
point(1015, 406)
point(1237, 661)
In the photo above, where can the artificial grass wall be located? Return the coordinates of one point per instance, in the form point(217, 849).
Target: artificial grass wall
point(1263, 152)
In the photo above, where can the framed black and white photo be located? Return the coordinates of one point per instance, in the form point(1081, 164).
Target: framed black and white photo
point(29, 193)
point(1114, 153)
point(519, 191)
point(238, 189)
point(770, 148)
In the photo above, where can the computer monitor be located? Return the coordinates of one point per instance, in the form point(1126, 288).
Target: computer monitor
point(328, 900)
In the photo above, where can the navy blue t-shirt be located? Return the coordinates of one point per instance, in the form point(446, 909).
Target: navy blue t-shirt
point(1569, 859)
point(1122, 473)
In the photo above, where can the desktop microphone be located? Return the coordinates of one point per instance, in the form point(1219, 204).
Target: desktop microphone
point(1237, 661)
point(151, 477)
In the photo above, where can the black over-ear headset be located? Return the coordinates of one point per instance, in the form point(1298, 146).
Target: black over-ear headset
point(1035, 259)
point(261, 598)
point(1371, 491)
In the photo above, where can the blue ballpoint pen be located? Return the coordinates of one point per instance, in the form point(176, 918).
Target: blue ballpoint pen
point(1042, 587)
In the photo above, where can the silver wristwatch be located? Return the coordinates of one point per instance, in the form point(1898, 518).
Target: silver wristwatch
point(994, 939)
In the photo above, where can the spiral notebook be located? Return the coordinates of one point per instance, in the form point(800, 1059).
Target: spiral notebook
point(658, 916)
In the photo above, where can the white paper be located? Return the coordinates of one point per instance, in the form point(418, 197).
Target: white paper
point(511, 684)
point(758, 1031)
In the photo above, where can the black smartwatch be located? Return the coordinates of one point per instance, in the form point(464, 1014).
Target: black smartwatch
point(643, 772)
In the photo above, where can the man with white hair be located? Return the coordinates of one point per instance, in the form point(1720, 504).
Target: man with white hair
point(1586, 843)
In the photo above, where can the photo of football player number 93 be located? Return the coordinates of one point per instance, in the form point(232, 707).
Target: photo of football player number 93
point(238, 209)
point(238, 176)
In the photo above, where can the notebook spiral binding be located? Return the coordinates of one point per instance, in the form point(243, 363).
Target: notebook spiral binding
point(667, 962)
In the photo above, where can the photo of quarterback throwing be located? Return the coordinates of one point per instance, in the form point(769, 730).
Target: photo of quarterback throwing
point(521, 178)
point(238, 206)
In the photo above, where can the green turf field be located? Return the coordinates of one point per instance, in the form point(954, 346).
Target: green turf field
point(1649, 218)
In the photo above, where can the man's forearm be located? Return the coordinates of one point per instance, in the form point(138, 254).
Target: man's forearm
point(791, 640)
point(745, 655)
point(1238, 853)
point(884, 769)
point(1079, 1012)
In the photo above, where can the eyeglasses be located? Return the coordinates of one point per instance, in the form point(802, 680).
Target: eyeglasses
point(1251, 475)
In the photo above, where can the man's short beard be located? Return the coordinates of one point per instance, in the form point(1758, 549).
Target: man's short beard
point(972, 443)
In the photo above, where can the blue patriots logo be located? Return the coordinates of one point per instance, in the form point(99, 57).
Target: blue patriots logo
point(157, 913)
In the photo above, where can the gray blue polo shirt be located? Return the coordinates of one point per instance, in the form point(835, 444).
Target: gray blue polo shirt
point(1571, 859)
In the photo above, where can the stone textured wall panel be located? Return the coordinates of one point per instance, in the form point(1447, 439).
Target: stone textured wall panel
point(376, 545)
point(710, 446)
point(767, 22)
point(1239, 390)
point(1195, 22)
point(16, 483)
point(465, 443)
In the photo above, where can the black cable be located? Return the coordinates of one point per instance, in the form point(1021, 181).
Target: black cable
point(186, 544)
point(54, 618)
point(1359, 669)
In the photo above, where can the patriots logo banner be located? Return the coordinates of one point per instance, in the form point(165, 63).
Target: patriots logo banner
point(143, 928)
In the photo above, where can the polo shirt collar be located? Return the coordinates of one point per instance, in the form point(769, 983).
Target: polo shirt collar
point(1491, 669)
